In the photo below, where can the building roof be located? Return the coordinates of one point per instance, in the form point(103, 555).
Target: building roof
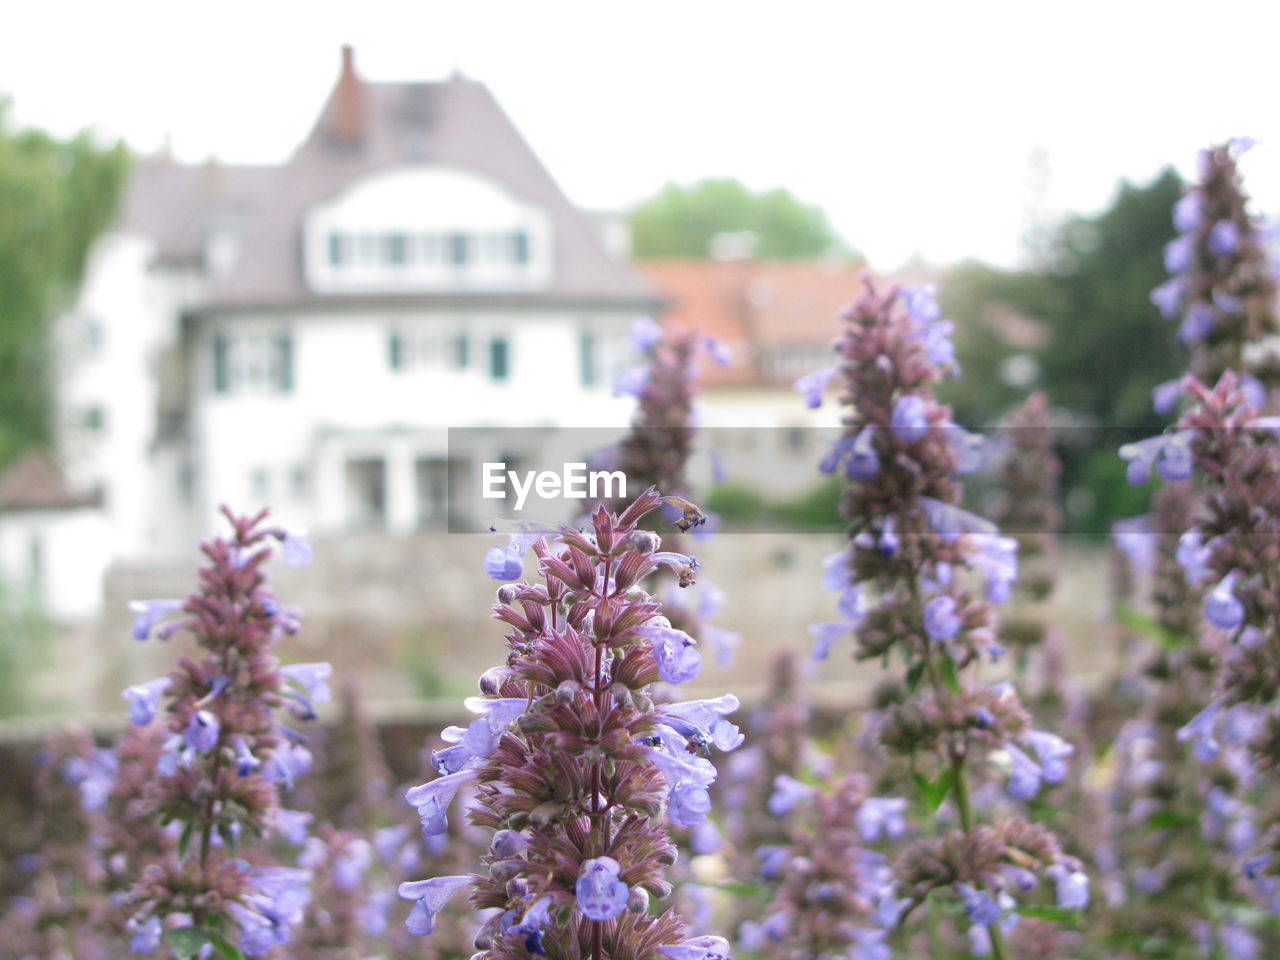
point(178, 205)
point(760, 310)
point(362, 129)
point(34, 482)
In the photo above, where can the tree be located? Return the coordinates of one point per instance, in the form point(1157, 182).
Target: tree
point(56, 197)
point(1090, 336)
point(680, 222)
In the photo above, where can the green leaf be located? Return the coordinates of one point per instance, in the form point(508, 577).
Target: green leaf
point(187, 941)
point(948, 671)
point(1168, 818)
point(227, 949)
point(1056, 914)
point(934, 791)
point(228, 837)
point(184, 841)
point(1136, 620)
point(914, 676)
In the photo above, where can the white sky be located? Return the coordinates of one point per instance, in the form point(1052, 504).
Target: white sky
point(912, 124)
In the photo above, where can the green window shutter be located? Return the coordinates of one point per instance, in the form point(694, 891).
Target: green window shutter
point(587, 358)
point(286, 362)
point(393, 350)
point(220, 384)
point(499, 358)
point(461, 351)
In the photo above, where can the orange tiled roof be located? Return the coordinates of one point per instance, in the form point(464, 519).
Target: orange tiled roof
point(758, 309)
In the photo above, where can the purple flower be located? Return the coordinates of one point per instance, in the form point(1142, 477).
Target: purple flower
point(202, 731)
point(698, 948)
point(863, 462)
point(717, 351)
point(246, 762)
point(938, 347)
point(1165, 396)
point(1197, 324)
point(908, 420)
point(813, 385)
point(144, 699)
point(787, 793)
point(687, 779)
point(705, 838)
point(922, 303)
point(1169, 454)
point(1238, 942)
point(1178, 253)
point(1193, 556)
point(531, 924)
point(1186, 212)
point(703, 720)
point(432, 799)
point(286, 764)
point(1221, 608)
point(429, 898)
point(1224, 238)
point(646, 333)
point(509, 844)
point(292, 825)
point(676, 652)
point(297, 551)
point(633, 382)
point(1200, 730)
point(950, 522)
point(940, 619)
point(1167, 297)
point(480, 738)
point(881, 817)
point(997, 558)
point(1052, 752)
point(825, 636)
point(314, 679)
point(1024, 783)
point(601, 895)
point(148, 612)
point(1072, 887)
point(145, 934)
point(970, 448)
point(1136, 540)
point(504, 563)
point(869, 944)
point(837, 572)
point(982, 910)
point(350, 864)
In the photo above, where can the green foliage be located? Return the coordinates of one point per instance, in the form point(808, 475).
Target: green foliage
point(735, 503)
point(55, 198)
point(1084, 329)
point(680, 222)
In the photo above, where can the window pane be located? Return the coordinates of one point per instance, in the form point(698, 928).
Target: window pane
point(396, 243)
point(499, 359)
point(458, 252)
point(519, 247)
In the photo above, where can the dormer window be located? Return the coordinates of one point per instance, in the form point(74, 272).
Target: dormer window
point(427, 228)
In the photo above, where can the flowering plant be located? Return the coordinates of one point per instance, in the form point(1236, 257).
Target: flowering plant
point(572, 760)
point(228, 755)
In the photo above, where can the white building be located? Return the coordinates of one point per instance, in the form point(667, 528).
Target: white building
point(304, 335)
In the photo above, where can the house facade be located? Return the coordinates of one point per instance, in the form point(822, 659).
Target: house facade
point(307, 335)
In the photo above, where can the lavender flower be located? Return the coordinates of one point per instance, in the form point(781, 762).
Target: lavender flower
point(226, 748)
point(574, 762)
point(144, 699)
point(918, 552)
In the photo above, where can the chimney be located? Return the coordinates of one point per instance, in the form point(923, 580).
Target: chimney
point(348, 101)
